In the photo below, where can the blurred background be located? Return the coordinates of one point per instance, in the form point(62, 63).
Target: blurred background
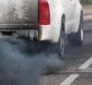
point(86, 2)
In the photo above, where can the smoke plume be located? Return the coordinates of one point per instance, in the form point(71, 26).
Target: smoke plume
point(19, 67)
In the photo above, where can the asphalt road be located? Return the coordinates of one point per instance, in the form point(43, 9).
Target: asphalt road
point(80, 59)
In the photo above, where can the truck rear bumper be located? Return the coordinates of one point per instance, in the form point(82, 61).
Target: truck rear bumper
point(17, 26)
point(28, 31)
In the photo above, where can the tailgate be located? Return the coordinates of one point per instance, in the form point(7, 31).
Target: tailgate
point(18, 12)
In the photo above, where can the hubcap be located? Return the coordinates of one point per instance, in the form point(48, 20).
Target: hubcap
point(81, 31)
point(81, 34)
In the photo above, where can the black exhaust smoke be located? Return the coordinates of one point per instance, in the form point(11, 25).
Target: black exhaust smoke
point(17, 69)
point(20, 68)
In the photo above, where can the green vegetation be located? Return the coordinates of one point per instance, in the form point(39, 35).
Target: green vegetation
point(86, 1)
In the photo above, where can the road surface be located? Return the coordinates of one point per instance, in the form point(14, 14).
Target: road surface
point(80, 58)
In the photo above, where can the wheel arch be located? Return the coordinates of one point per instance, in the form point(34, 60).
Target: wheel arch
point(78, 15)
point(62, 22)
point(63, 17)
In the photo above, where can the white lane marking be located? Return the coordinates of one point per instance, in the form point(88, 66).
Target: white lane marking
point(73, 77)
point(86, 64)
point(70, 79)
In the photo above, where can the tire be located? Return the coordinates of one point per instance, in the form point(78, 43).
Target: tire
point(76, 39)
point(61, 42)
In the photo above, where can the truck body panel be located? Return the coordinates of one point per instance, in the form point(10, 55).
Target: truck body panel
point(18, 12)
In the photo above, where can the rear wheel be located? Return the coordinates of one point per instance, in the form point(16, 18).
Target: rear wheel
point(61, 42)
point(76, 39)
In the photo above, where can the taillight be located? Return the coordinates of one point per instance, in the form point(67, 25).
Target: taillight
point(44, 12)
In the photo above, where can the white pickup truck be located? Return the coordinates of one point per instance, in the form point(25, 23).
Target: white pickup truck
point(50, 20)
